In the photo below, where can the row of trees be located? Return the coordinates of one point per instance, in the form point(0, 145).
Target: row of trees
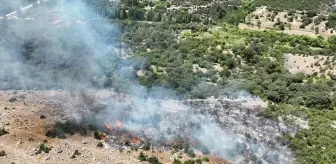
point(135, 10)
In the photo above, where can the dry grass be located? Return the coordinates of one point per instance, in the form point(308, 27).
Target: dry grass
point(309, 64)
point(27, 131)
point(294, 29)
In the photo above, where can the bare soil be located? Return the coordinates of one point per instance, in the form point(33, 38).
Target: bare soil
point(22, 119)
point(262, 12)
point(296, 63)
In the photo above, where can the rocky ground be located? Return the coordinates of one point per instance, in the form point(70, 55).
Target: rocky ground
point(318, 64)
point(28, 115)
point(265, 23)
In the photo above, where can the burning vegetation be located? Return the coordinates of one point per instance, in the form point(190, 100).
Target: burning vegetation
point(119, 138)
point(182, 133)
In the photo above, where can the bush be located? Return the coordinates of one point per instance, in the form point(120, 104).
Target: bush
point(13, 99)
point(317, 30)
point(77, 152)
point(177, 161)
point(146, 146)
point(3, 131)
point(142, 157)
point(191, 153)
point(319, 101)
point(190, 161)
point(311, 14)
point(327, 62)
point(198, 161)
point(69, 127)
point(205, 159)
point(291, 12)
point(44, 148)
point(100, 144)
point(319, 19)
point(153, 160)
point(282, 26)
point(2, 153)
point(331, 21)
point(302, 26)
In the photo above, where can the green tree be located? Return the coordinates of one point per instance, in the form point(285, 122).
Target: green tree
point(319, 101)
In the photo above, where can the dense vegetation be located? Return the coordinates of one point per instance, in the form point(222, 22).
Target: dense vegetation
point(331, 21)
point(175, 11)
point(175, 50)
point(198, 58)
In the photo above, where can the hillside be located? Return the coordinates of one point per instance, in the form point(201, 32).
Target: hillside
point(281, 53)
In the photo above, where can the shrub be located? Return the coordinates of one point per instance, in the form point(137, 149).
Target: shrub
point(327, 62)
point(69, 127)
point(2, 153)
point(282, 26)
point(153, 160)
point(44, 148)
point(3, 131)
point(290, 12)
point(205, 159)
point(319, 19)
point(100, 144)
point(146, 146)
point(191, 153)
point(319, 101)
point(302, 26)
point(331, 21)
point(177, 161)
point(258, 23)
point(317, 30)
point(13, 99)
point(190, 161)
point(142, 157)
point(311, 14)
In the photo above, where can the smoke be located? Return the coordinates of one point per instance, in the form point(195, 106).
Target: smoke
point(65, 45)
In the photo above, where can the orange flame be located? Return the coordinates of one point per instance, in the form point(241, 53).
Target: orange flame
point(109, 126)
point(136, 140)
point(118, 123)
point(100, 135)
